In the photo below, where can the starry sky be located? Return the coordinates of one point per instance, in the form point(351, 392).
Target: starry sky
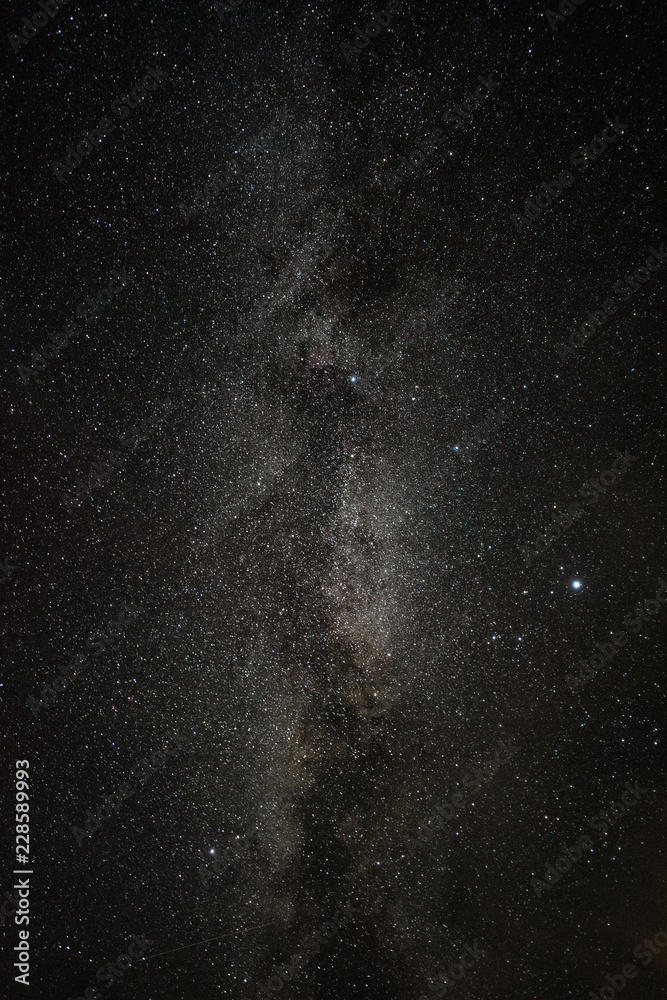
point(304, 492)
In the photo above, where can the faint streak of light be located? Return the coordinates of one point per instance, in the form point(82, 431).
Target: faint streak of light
point(183, 946)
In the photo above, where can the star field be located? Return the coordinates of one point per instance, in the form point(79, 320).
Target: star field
point(382, 494)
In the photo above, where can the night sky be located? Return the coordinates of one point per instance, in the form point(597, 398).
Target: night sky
point(334, 409)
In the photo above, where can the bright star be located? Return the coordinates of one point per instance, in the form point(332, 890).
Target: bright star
point(576, 584)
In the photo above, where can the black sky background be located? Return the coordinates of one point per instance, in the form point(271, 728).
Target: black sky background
point(359, 629)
